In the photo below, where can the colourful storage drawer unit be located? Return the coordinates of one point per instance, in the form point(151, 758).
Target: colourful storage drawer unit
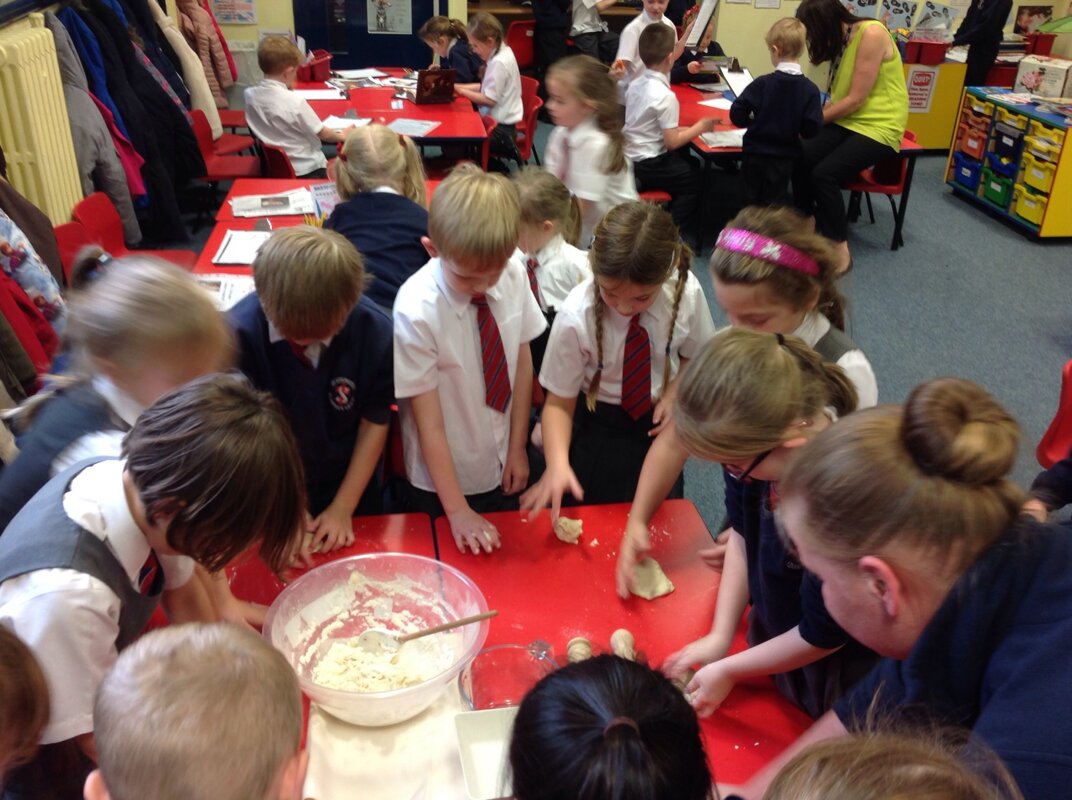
point(1011, 118)
point(996, 189)
point(972, 141)
point(1028, 205)
point(1038, 174)
point(966, 171)
point(1008, 141)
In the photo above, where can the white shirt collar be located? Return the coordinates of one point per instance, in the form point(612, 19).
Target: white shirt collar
point(272, 82)
point(97, 501)
point(450, 45)
point(655, 75)
point(812, 328)
point(458, 301)
point(126, 407)
point(790, 67)
point(312, 351)
point(647, 19)
point(386, 190)
point(549, 251)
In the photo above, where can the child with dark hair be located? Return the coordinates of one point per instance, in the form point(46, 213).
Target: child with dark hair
point(207, 471)
point(23, 702)
point(604, 729)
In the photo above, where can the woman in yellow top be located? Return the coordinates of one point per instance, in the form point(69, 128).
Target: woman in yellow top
point(865, 116)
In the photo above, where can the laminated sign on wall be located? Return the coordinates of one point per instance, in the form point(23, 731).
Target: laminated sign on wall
point(921, 82)
point(390, 16)
point(235, 12)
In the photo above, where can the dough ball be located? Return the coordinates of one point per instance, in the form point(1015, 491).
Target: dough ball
point(568, 530)
point(578, 649)
point(682, 681)
point(649, 580)
point(623, 644)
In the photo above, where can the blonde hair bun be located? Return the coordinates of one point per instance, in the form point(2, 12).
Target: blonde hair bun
point(953, 429)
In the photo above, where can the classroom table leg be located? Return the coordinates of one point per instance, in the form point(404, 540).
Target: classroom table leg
point(705, 180)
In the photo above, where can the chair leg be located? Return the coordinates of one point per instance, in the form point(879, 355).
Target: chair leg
point(870, 208)
point(535, 154)
point(853, 211)
point(897, 240)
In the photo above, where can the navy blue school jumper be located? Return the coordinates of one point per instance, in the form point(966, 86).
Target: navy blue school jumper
point(995, 659)
point(42, 536)
point(784, 595)
point(1053, 486)
point(777, 109)
point(64, 419)
point(353, 380)
point(465, 61)
point(386, 229)
point(679, 73)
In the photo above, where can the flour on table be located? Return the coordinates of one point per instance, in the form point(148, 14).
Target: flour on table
point(649, 580)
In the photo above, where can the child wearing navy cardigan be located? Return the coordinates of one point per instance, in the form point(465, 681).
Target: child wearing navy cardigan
point(684, 70)
point(381, 180)
point(449, 41)
point(778, 109)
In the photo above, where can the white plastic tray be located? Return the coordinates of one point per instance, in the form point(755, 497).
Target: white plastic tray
point(483, 743)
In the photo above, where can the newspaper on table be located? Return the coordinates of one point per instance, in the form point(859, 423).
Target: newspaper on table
point(294, 201)
point(226, 290)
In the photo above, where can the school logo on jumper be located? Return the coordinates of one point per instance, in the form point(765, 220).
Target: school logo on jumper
point(341, 394)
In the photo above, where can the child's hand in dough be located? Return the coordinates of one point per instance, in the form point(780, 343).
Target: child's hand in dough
point(472, 531)
point(636, 543)
point(703, 651)
point(715, 555)
point(708, 688)
point(549, 490)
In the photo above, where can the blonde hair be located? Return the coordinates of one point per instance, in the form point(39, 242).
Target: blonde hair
point(24, 706)
point(742, 393)
point(636, 242)
point(277, 53)
point(197, 712)
point(142, 310)
point(437, 26)
point(791, 286)
point(593, 86)
point(789, 36)
point(374, 156)
point(893, 766)
point(308, 280)
point(473, 218)
point(932, 473)
point(483, 26)
point(544, 197)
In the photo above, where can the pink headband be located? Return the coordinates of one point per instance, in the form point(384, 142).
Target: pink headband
point(763, 247)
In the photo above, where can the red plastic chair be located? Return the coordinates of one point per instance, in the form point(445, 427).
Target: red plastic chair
point(101, 221)
point(233, 118)
point(656, 196)
point(221, 167)
point(71, 237)
point(276, 163)
point(886, 177)
point(230, 144)
point(1056, 443)
point(526, 129)
point(521, 38)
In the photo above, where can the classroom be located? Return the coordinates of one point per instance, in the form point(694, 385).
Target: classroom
point(535, 399)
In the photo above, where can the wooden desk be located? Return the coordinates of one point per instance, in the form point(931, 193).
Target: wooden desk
point(546, 589)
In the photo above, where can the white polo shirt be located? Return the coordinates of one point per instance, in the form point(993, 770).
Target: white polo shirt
point(650, 108)
point(279, 117)
point(628, 43)
point(586, 18)
point(69, 619)
point(577, 157)
point(571, 360)
point(502, 83)
point(437, 346)
point(560, 268)
point(814, 327)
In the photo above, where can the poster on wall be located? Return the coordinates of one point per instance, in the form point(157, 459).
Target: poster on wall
point(866, 9)
point(898, 13)
point(937, 17)
point(390, 17)
point(921, 81)
point(1028, 18)
point(235, 12)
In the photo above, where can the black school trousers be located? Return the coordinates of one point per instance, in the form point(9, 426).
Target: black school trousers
point(601, 45)
point(765, 180)
point(832, 157)
point(678, 174)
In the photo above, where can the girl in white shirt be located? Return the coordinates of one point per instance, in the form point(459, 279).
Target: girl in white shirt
point(585, 150)
point(498, 95)
point(618, 342)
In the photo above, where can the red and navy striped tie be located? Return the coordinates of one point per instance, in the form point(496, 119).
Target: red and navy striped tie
point(496, 376)
point(636, 371)
point(150, 577)
point(531, 265)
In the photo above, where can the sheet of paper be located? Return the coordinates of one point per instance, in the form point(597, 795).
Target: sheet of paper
point(718, 102)
point(240, 247)
point(414, 128)
point(326, 197)
point(354, 74)
point(737, 81)
point(296, 201)
point(703, 19)
point(226, 290)
point(345, 122)
point(709, 87)
point(728, 138)
point(319, 94)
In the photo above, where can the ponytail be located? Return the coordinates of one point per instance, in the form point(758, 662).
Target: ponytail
point(374, 156)
point(437, 26)
point(592, 84)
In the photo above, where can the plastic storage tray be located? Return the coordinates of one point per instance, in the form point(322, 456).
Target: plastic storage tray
point(1042, 148)
point(1012, 119)
point(996, 188)
point(1040, 130)
point(1038, 174)
point(1008, 141)
point(1002, 166)
point(971, 140)
point(979, 108)
point(1028, 205)
point(966, 171)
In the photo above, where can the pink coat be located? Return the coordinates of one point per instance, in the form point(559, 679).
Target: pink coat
point(197, 27)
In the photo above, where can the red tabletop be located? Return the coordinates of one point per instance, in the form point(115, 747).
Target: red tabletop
point(251, 580)
point(215, 239)
point(546, 589)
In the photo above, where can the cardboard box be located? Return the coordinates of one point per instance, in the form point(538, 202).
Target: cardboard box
point(1043, 75)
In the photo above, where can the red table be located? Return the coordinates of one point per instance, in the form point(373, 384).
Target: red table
point(204, 263)
point(546, 589)
point(251, 579)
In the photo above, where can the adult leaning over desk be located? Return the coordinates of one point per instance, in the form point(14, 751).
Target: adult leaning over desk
point(907, 516)
point(864, 118)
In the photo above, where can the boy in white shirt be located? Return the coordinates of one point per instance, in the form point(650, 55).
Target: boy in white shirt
point(463, 367)
point(653, 138)
point(281, 118)
point(589, 32)
point(627, 63)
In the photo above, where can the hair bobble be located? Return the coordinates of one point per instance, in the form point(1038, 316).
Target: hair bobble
point(780, 338)
point(618, 722)
point(738, 240)
point(401, 141)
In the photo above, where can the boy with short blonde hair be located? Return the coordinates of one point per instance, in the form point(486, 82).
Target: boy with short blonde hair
point(281, 118)
point(778, 109)
point(314, 340)
point(463, 368)
point(199, 712)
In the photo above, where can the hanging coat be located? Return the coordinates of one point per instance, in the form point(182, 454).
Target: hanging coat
point(192, 73)
point(141, 21)
point(197, 27)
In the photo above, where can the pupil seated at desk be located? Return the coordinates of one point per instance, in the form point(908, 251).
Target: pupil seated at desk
point(449, 41)
point(688, 66)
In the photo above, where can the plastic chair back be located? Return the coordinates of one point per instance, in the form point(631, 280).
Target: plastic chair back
point(276, 163)
point(101, 221)
point(490, 124)
point(1056, 443)
point(71, 237)
point(530, 105)
point(521, 37)
point(203, 134)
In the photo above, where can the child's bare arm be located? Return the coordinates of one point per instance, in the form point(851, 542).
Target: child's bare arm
point(557, 422)
point(333, 528)
point(333, 135)
point(674, 138)
point(475, 95)
point(191, 602)
point(469, 528)
point(516, 470)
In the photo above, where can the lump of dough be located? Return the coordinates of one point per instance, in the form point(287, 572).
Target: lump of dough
point(568, 530)
point(578, 649)
point(649, 580)
point(623, 644)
